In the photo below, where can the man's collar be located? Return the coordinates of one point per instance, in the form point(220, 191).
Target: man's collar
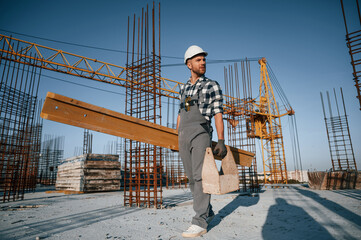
point(201, 78)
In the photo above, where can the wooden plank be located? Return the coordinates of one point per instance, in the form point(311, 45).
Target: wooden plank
point(69, 175)
point(102, 164)
point(102, 181)
point(89, 173)
point(65, 192)
point(73, 112)
point(102, 157)
point(103, 188)
point(101, 174)
point(80, 114)
point(71, 165)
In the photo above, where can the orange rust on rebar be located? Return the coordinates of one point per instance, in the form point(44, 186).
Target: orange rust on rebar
point(239, 122)
point(338, 134)
point(353, 41)
point(20, 126)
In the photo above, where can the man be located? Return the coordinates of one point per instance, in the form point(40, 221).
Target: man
point(201, 99)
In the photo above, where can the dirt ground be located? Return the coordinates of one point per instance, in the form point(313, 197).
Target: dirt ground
point(294, 212)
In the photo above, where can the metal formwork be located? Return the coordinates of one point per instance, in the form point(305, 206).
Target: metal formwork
point(338, 134)
point(143, 162)
point(20, 127)
point(238, 122)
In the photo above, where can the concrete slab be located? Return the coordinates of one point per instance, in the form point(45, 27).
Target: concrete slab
point(296, 212)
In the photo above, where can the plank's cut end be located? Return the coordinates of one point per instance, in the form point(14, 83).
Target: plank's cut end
point(44, 115)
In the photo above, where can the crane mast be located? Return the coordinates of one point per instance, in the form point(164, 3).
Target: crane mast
point(267, 127)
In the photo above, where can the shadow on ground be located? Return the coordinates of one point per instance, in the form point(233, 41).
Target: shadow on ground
point(351, 193)
point(176, 200)
point(52, 226)
point(56, 225)
point(286, 221)
point(240, 200)
point(332, 206)
point(56, 198)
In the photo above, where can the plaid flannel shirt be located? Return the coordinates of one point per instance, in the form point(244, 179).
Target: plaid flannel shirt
point(212, 93)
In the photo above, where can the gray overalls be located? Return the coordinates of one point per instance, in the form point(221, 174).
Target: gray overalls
point(195, 135)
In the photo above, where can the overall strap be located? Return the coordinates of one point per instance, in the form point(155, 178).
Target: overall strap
point(198, 94)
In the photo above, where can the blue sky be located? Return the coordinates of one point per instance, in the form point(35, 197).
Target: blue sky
point(304, 42)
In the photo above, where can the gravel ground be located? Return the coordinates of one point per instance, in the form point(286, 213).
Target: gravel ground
point(294, 212)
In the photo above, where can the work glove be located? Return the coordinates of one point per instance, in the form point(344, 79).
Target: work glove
point(220, 149)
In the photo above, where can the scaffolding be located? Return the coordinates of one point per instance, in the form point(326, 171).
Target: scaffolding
point(143, 177)
point(338, 134)
point(20, 126)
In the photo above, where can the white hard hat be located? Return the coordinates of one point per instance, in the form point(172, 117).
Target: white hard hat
point(192, 51)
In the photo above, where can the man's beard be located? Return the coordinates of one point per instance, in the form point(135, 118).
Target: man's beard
point(200, 72)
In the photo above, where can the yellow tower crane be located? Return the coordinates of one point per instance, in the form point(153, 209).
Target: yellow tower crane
point(265, 124)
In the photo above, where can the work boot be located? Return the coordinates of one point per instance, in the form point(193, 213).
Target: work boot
point(194, 231)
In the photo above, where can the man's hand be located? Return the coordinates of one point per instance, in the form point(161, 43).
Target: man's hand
point(220, 149)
